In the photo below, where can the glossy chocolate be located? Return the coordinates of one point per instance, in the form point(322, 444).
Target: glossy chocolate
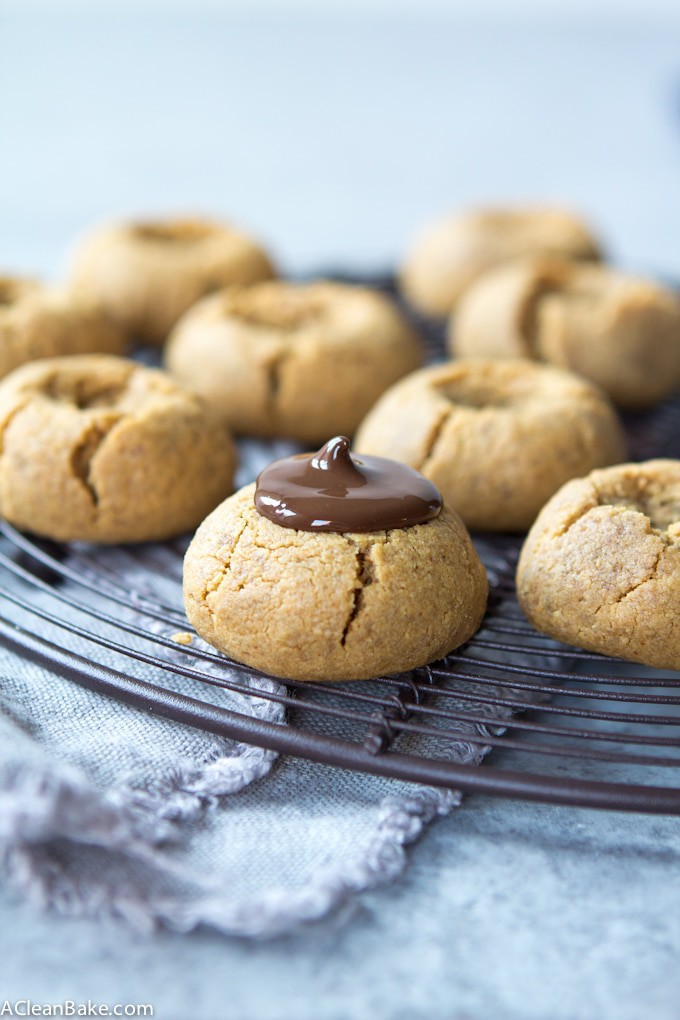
point(333, 491)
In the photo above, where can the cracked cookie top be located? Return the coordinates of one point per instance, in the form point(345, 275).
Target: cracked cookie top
point(37, 321)
point(618, 330)
point(601, 566)
point(497, 438)
point(454, 251)
point(99, 448)
point(146, 274)
point(324, 605)
point(300, 360)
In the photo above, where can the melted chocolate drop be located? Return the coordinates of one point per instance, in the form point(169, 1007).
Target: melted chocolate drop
point(333, 491)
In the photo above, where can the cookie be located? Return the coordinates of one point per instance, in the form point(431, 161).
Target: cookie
point(618, 330)
point(303, 361)
point(146, 274)
point(297, 596)
point(100, 449)
point(601, 566)
point(453, 252)
point(497, 438)
point(45, 322)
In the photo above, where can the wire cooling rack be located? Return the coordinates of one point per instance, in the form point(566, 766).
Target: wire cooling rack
point(562, 725)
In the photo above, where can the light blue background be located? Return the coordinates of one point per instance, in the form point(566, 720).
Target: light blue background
point(336, 132)
point(333, 133)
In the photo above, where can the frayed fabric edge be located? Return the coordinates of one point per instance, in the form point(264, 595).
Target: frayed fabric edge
point(37, 808)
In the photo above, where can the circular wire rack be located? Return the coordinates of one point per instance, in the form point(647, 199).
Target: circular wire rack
point(555, 723)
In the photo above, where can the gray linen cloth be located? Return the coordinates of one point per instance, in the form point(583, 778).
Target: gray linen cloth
point(109, 811)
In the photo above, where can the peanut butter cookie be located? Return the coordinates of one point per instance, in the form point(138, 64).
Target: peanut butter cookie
point(303, 361)
point(45, 322)
point(601, 566)
point(306, 603)
point(453, 252)
point(146, 274)
point(497, 438)
point(618, 330)
point(100, 449)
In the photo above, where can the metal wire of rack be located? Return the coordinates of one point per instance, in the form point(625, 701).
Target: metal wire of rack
point(562, 725)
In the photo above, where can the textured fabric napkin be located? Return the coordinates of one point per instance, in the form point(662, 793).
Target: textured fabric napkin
point(108, 811)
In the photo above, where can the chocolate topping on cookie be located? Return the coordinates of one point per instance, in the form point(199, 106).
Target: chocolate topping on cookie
point(333, 491)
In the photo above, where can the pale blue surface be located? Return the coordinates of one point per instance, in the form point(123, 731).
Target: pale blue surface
point(333, 136)
point(508, 912)
point(335, 140)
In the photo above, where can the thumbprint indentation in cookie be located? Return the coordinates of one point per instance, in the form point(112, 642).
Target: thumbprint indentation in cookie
point(84, 394)
point(661, 507)
point(182, 231)
point(476, 394)
point(274, 308)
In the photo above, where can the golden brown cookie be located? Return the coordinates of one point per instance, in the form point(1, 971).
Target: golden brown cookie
point(288, 359)
point(146, 274)
point(45, 322)
point(327, 606)
point(601, 566)
point(100, 449)
point(497, 438)
point(618, 330)
point(452, 252)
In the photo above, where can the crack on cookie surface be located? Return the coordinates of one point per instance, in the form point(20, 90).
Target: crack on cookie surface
point(645, 580)
point(274, 376)
point(433, 439)
point(365, 575)
point(84, 452)
point(577, 514)
point(219, 575)
point(15, 411)
point(547, 285)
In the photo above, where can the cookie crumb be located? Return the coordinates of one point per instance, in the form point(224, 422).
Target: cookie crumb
point(183, 637)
